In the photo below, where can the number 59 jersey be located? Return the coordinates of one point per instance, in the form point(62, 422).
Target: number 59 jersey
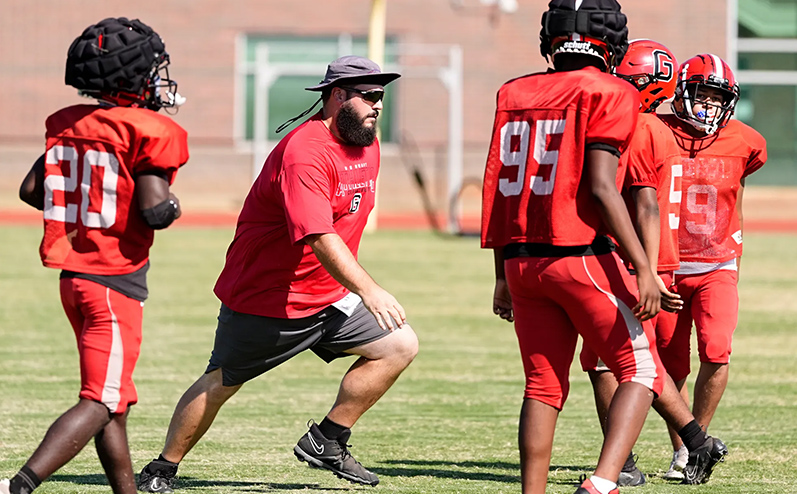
point(713, 167)
point(536, 188)
point(92, 219)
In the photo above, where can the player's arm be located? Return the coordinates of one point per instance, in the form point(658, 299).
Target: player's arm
point(502, 300)
point(333, 253)
point(602, 170)
point(159, 207)
point(739, 196)
point(648, 228)
point(31, 191)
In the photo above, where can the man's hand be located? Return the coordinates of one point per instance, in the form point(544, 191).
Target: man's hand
point(670, 301)
point(385, 308)
point(502, 301)
point(649, 295)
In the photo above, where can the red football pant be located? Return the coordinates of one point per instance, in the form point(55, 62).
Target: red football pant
point(711, 300)
point(556, 299)
point(107, 326)
point(590, 360)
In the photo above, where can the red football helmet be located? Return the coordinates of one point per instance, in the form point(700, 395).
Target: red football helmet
point(650, 67)
point(695, 76)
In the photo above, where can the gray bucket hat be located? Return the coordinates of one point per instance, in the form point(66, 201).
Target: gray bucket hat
point(354, 70)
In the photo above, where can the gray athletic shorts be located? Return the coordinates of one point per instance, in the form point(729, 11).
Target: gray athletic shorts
point(247, 345)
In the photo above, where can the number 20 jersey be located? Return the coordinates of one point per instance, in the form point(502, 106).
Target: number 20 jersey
point(92, 222)
point(536, 189)
point(713, 167)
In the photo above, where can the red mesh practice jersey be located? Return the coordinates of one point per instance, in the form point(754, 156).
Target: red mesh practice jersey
point(535, 188)
point(653, 159)
point(311, 183)
point(713, 167)
point(92, 221)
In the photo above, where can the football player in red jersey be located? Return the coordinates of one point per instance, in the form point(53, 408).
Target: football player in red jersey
point(717, 154)
point(103, 185)
point(651, 190)
point(549, 190)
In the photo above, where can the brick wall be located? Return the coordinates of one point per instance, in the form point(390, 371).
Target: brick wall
point(200, 36)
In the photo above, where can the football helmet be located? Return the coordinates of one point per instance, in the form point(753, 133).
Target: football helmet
point(122, 61)
point(697, 74)
point(587, 27)
point(651, 68)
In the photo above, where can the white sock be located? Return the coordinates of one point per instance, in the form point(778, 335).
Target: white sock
point(604, 486)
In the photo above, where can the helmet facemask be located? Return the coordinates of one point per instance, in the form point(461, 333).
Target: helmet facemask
point(712, 116)
point(160, 91)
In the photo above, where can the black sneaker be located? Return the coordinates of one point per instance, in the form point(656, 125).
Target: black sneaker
point(702, 460)
point(320, 452)
point(630, 475)
point(157, 476)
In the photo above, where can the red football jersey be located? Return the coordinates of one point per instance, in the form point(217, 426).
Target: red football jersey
point(311, 183)
point(92, 222)
point(534, 187)
point(653, 159)
point(713, 167)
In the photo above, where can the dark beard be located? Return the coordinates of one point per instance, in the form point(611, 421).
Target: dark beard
point(352, 129)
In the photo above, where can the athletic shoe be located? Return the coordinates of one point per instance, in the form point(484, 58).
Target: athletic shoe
point(5, 486)
point(702, 460)
point(587, 488)
point(679, 459)
point(157, 476)
point(320, 452)
point(630, 475)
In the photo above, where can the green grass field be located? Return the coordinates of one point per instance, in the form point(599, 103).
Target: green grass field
point(448, 426)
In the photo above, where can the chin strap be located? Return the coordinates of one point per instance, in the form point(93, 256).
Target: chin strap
point(297, 117)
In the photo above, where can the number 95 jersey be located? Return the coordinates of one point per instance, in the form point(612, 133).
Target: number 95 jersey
point(535, 186)
point(92, 220)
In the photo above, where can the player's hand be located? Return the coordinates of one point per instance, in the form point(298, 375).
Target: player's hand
point(176, 201)
point(502, 301)
point(649, 295)
point(670, 301)
point(389, 314)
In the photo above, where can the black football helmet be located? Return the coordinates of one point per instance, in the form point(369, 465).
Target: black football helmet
point(123, 61)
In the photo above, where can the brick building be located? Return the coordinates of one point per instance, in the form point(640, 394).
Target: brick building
point(214, 46)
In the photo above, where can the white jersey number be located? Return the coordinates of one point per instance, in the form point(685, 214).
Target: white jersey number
point(68, 157)
point(677, 171)
point(707, 207)
point(519, 157)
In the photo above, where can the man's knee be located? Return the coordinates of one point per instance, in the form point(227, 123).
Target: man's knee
point(407, 345)
point(212, 385)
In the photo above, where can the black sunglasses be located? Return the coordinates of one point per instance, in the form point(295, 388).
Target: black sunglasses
point(371, 95)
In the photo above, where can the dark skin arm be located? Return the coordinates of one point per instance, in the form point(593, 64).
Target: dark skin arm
point(31, 191)
point(739, 196)
point(502, 300)
point(648, 228)
point(602, 172)
point(152, 190)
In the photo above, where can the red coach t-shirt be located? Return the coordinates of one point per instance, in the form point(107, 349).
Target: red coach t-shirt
point(311, 183)
point(713, 167)
point(534, 184)
point(92, 220)
point(653, 160)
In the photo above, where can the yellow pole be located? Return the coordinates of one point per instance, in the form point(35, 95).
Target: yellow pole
point(376, 52)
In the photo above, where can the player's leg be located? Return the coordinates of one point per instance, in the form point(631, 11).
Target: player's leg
point(716, 309)
point(91, 310)
point(673, 332)
point(547, 343)
point(383, 356)
point(114, 454)
point(603, 297)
